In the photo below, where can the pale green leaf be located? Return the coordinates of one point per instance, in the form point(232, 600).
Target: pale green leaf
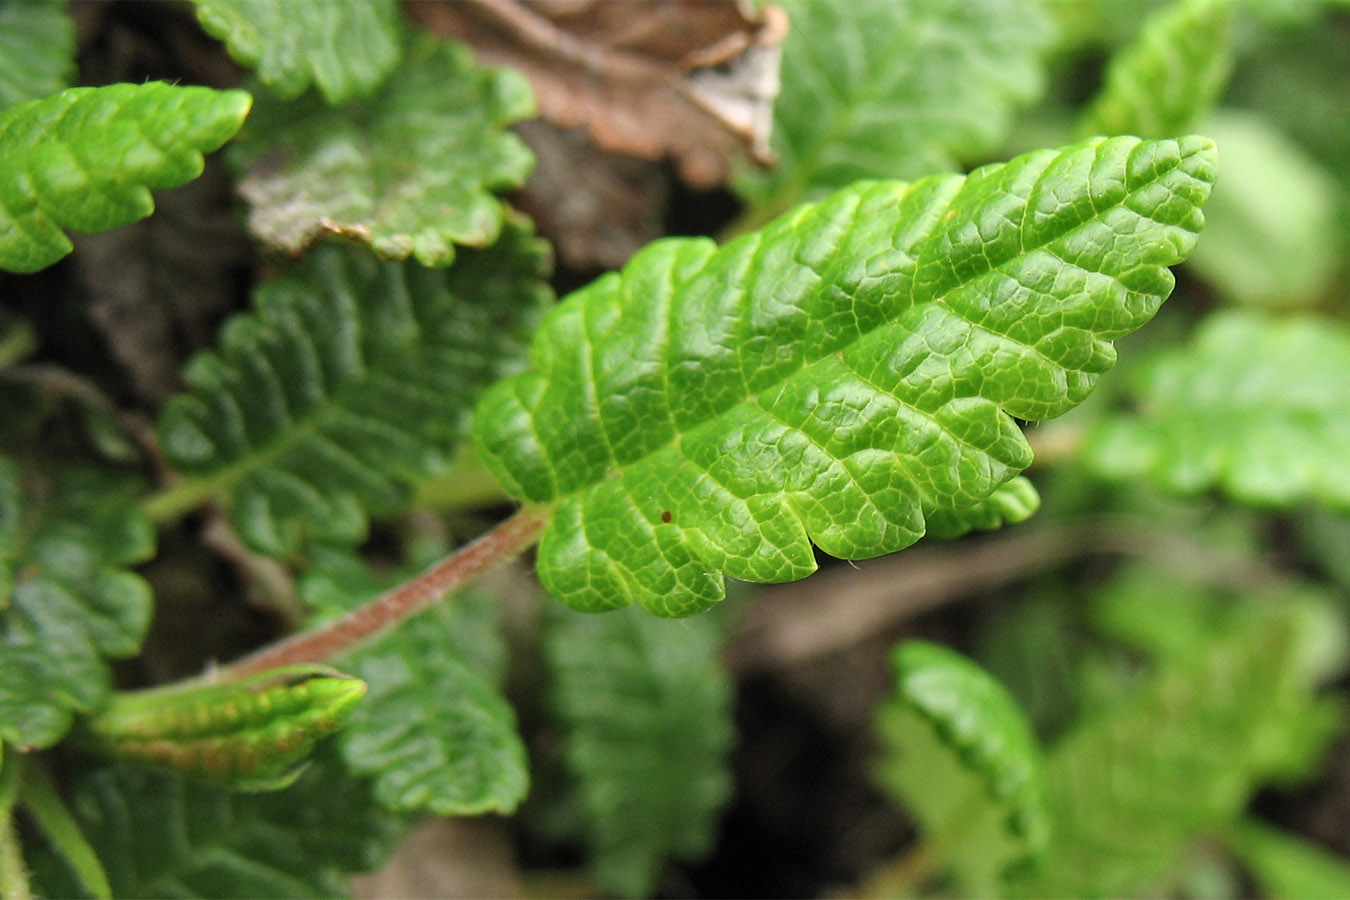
point(1171, 75)
point(85, 159)
point(645, 711)
point(1274, 240)
point(960, 756)
point(896, 90)
point(836, 377)
point(37, 50)
point(346, 48)
point(352, 380)
point(69, 602)
point(409, 172)
point(1254, 405)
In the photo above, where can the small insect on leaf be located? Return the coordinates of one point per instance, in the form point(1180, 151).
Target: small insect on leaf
point(250, 735)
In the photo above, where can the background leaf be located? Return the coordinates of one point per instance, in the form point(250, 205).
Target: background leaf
point(895, 90)
point(1253, 405)
point(1285, 866)
point(645, 710)
point(346, 49)
point(837, 376)
point(69, 601)
point(352, 380)
point(37, 50)
point(86, 159)
point(410, 171)
point(961, 757)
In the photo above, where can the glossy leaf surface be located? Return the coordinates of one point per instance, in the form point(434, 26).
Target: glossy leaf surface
point(86, 159)
point(37, 50)
point(1254, 405)
point(411, 171)
point(837, 376)
point(345, 49)
point(352, 380)
point(67, 600)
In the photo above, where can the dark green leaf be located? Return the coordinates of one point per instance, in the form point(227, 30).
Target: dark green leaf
point(409, 172)
point(352, 380)
point(961, 757)
point(836, 377)
point(37, 50)
point(86, 159)
point(1254, 405)
point(69, 601)
point(645, 709)
point(345, 48)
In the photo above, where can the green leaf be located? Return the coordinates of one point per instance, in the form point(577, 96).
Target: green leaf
point(961, 757)
point(435, 732)
point(352, 380)
point(1253, 405)
point(1170, 76)
point(161, 835)
point(645, 709)
point(37, 50)
point(887, 90)
point(86, 159)
point(1013, 502)
point(834, 378)
point(249, 735)
point(409, 172)
point(1275, 238)
point(1179, 756)
point(345, 48)
point(61, 832)
point(69, 601)
point(1286, 867)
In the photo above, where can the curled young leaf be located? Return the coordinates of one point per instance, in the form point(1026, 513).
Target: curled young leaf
point(836, 377)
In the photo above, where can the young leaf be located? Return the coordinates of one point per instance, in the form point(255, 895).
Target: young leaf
point(435, 732)
point(86, 159)
point(1170, 76)
point(873, 90)
point(68, 601)
point(161, 835)
point(645, 707)
point(834, 378)
point(961, 757)
point(410, 171)
point(1256, 406)
point(351, 381)
point(345, 48)
point(249, 735)
point(37, 50)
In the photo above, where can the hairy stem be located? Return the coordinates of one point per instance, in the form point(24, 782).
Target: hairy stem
point(392, 607)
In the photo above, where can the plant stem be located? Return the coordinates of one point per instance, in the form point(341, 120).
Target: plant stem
point(387, 610)
point(43, 802)
point(13, 876)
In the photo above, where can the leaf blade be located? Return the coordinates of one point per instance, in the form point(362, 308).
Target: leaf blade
point(37, 51)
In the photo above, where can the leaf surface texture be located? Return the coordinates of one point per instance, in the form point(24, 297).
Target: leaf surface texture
point(86, 159)
point(835, 377)
point(352, 380)
point(410, 171)
point(37, 50)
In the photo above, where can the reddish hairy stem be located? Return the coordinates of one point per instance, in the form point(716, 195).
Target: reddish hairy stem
point(389, 609)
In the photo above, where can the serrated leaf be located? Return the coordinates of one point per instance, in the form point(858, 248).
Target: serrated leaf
point(410, 172)
point(961, 757)
point(1013, 502)
point(1253, 405)
point(346, 49)
point(253, 734)
point(1179, 756)
point(645, 710)
point(1170, 76)
point(873, 90)
point(352, 380)
point(37, 50)
point(85, 159)
point(162, 835)
point(435, 732)
point(834, 378)
point(69, 602)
